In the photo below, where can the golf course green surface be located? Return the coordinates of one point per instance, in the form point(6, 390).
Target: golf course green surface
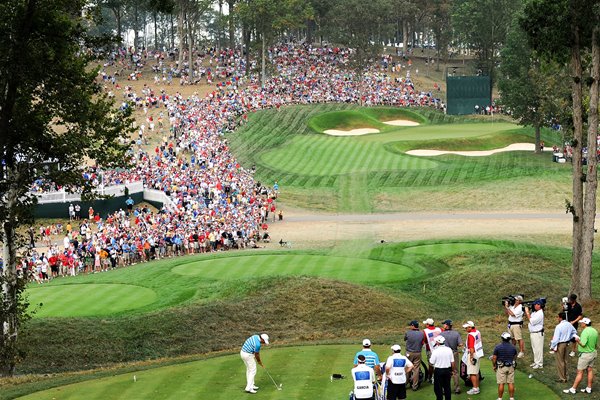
point(355, 270)
point(304, 373)
point(73, 300)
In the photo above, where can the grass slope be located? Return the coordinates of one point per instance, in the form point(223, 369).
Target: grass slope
point(303, 371)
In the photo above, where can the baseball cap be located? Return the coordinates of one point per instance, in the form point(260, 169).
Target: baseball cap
point(440, 339)
point(519, 297)
point(448, 322)
point(428, 321)
point(505, 335)
point(586, 321)
point(469, 324)
point(265, 337)
point(414, 323)
point(396, 347)
point(366, 342)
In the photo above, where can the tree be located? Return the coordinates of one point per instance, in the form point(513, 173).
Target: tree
point(533, 88)
point(51, 110)
point(568, 30)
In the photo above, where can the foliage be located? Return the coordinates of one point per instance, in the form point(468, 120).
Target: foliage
point(53, 119)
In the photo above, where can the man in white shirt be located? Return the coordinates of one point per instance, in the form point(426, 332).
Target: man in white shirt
point(515, 322)
point(536, 333)
point(364, 380)
point(442, 360)
point(397, 368)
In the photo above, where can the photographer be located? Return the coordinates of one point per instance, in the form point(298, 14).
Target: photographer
point(536, 332)
point(574, 315)
point(515, 321)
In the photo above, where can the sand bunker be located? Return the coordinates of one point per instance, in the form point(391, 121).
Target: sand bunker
point(512, 147)
point(402, 122)
point(353, 132)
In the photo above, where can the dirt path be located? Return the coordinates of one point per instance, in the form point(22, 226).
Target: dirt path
point(306, 229)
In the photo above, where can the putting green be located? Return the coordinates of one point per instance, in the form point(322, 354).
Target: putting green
point(82, 300)
point(304, 373)
point(448, 249)
point(355, 270)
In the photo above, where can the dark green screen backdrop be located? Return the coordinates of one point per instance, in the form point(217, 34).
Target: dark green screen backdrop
point(464, 92)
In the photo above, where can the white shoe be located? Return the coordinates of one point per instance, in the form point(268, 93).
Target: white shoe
point(586, 390)
point(532, 365)
point(537, 366)
point(520, 355)
point(570, 390)
point(572, 354)
point(251, 391)
point(473, 391)
point(255, 387)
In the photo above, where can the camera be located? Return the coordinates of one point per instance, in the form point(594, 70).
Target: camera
point(541, 301)
point(565, 303)
point(510, 299)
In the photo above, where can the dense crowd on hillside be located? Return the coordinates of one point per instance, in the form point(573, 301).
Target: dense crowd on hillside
point(218, 205)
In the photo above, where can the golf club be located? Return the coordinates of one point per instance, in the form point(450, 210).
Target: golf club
point(273, 380)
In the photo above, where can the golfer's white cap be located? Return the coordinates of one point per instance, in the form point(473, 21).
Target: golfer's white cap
point(265, 337)
point(440, 339)
point(469, 324)
point(366, 342)
point(586, 321)
point(396, 347)
point(505, 335)
point(428, 321)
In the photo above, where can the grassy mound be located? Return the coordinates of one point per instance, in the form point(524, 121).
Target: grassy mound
point(362, 118)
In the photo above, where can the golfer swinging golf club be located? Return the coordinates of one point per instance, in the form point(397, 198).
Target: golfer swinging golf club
point(250, 354)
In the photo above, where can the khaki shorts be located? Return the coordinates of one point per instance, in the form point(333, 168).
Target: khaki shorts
point(515, 332)
point(473, 369)
point(586, 360)
point(505, 375)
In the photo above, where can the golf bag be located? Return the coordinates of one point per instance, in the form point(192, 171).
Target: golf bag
point(465, 377)
point(423, 374)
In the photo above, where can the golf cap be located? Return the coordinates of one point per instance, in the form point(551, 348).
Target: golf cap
point(265, 337)
point(505, 335)
point(448, 322)
point(440, 339)
point(414, 323)
point(396, 347)
point(428, 321)
point(586, 321)
point(366, 343)
point(520, 298)
point(469, 324)
point(361, 359)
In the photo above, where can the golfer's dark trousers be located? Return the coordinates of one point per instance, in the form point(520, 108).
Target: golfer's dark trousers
point(441, 383)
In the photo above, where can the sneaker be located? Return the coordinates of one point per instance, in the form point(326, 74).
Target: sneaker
point(572, 354)
point(457, 390)
point(473, 391)
point(586, 390)
point(537, 366)
point(532, 365)
point(255, 387)
point(251, 391)
point(431, 380)
point(570, 390)
point(520, 355)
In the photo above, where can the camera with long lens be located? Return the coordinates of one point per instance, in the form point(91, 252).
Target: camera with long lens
point(541, 301)
point(510, 299)
point(565, 303)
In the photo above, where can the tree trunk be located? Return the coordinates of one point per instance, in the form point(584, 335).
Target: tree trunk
point(117, 14)
point(180, 33)
point(190, 50)
point(577, 206)
point(404, 36)
point(589, 215)
point(263, 72)
point(172, 32)
point(10, 315)
point(538, 137)
point(155, 18)
point(231, 21)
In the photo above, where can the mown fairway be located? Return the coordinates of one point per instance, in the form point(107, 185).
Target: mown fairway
point(303, 371)
point(373, 173)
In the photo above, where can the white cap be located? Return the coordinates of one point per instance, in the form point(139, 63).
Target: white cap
point(396, 347)
point(586, 321)
point(428, 321)
point(505, 335)
point(440, 339)
point(519, 297)
point(366, 343)
point(469, 324)
point(265, 337)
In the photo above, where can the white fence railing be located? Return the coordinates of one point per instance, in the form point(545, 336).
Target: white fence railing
point(64, 197)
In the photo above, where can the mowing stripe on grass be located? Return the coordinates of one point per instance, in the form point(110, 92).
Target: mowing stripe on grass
point(303, 371)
